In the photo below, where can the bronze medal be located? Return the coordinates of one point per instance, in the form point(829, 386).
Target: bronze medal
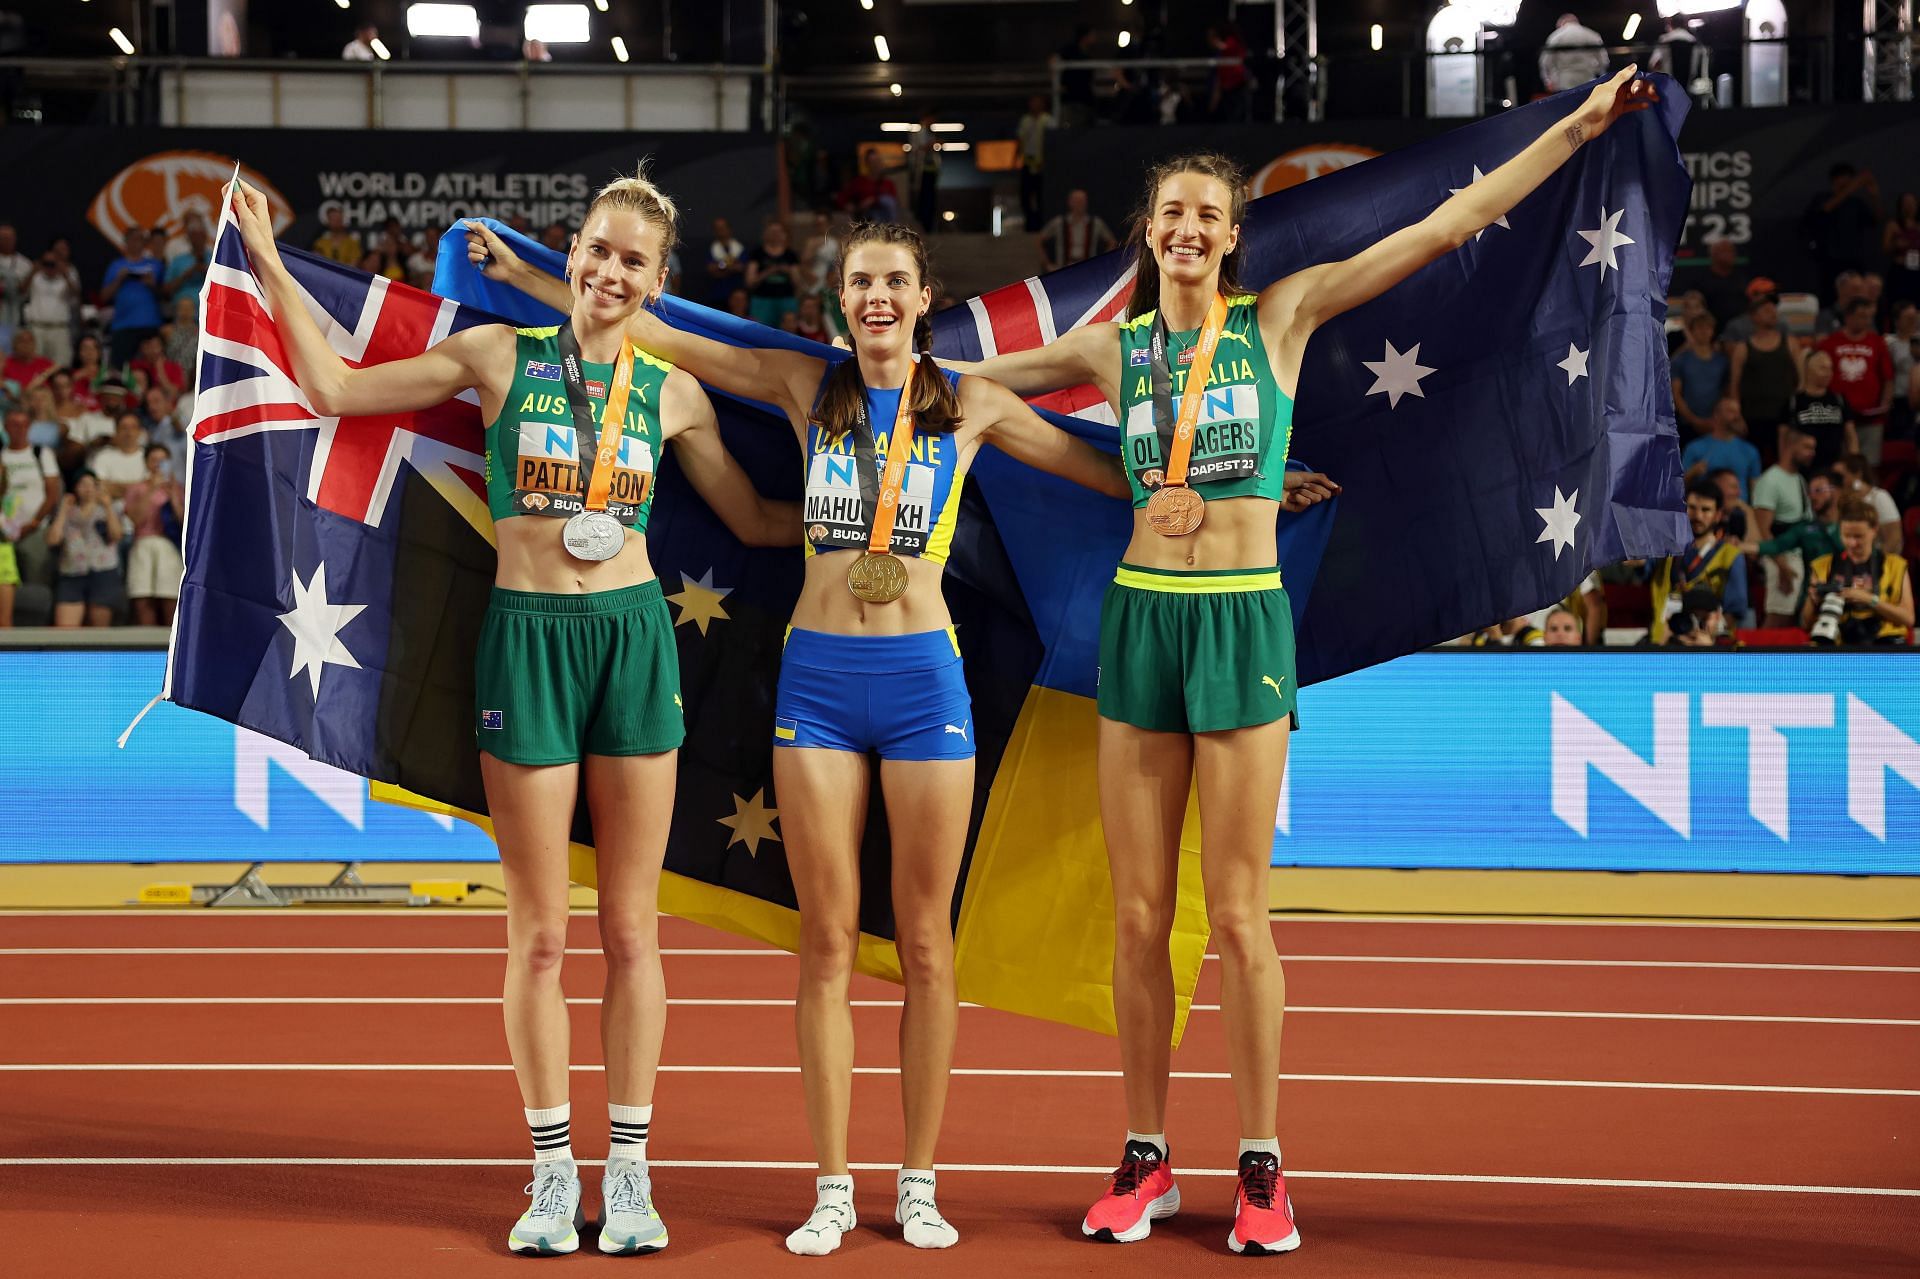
point(877, 578)
point(1175, 511)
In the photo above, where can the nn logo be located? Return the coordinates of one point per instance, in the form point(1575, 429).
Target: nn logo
point(1663, 784)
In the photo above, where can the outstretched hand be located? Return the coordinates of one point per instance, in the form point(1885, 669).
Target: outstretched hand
point(486, 250)
point(1614, 98)
point(254, 216)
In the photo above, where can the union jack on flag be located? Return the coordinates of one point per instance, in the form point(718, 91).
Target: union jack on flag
point(1032, 313)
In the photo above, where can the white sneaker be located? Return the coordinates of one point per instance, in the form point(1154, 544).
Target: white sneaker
point(628, 1222)
point(551, 1224)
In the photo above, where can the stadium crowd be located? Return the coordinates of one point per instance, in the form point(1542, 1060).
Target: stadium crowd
point(1797, 414)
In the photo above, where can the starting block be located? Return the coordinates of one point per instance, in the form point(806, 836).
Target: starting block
point(344, 889)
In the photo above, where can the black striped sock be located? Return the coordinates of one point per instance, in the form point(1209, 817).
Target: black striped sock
point(552, 1132)
point(629, 1126)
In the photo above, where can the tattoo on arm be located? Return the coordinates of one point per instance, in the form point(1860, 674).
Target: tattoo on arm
point(1576, 134)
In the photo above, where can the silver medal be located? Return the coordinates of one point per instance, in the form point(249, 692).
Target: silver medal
point(593, 535)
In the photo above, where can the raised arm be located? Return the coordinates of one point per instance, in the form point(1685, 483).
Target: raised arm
point(783, 378)
point(1025, 436)
point(1079, 356)
point(1309, 298)
point(754, 520)
point(333, 387)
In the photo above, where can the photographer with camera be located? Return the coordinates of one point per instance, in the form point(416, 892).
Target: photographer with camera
point(1862, 594)
point(1711, 561)
point(1699, 622)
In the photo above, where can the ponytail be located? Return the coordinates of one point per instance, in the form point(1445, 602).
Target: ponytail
point(935, 403)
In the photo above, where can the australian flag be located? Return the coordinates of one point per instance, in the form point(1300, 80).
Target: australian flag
point(1502, 421)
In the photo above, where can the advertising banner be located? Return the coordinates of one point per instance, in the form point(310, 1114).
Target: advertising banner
point(1713, 761)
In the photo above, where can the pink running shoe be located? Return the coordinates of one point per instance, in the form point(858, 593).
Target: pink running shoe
point(1262, 1213)
point(1142, 1193)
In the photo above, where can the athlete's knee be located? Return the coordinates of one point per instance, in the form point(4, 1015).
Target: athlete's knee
point(926, 951)
point(1241, 934)
point(630, 943)
point(827, 947)
point(1141, 929)
point(539, 951)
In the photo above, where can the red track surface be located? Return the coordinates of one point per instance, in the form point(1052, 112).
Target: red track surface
point(1423, 1100)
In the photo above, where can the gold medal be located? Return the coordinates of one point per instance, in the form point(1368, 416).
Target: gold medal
point(1175, 511)
point(878, 578)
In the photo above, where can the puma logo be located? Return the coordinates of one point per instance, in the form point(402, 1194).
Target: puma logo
point(959, 730)
point(1232, 335)
point(1274, 684)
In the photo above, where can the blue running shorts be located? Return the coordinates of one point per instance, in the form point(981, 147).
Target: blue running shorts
point(900, 696)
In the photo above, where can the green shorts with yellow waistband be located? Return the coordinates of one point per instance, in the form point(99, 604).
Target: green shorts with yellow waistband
point(1196, 650)
point(558, 677)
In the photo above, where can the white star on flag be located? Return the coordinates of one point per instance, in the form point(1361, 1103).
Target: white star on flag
point(316, 623)
point(1575, 364)
point(1560, 520)
point(1604, 238)
point(1397, 373)
point(1499, 221)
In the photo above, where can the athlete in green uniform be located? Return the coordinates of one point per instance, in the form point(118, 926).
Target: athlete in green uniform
point(1196, 654)
point(576, 667)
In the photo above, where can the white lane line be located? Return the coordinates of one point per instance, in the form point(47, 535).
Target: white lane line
point(1075, 1170)
point(991, 1072)
point(62, 951)
point(1359, 1010)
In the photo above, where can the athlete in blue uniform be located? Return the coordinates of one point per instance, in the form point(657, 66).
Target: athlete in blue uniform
point(872, 665)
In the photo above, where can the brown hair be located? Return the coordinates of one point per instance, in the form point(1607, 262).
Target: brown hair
point(935, 403)
point(1855, 509)
point(1146, 271)
point(636, 193)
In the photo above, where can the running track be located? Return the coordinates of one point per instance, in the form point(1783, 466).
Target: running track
point(304, 1094)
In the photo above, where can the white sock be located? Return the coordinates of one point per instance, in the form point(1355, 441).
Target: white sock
point(832, 1217)
point(552, 1130)
point(629, 1126)
point(1158, 1140)
point(914, 1209)
point(1268, 1145)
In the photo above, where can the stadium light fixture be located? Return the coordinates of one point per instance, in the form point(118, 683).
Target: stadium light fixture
point(443, 20)
point(1375, 37)
point(379, 48)
point(949, 126)
point(1492, 13)
point(620, 48)
point(867, 5)
point(601, 5)
point(880, 48)
point(344, 4)
point(1126, 38)
point(557, 23)
point(956, 146)
point(1693, 8)
point(894, 88)
point(1633, 25)
point(898, 126)
point(119, 37)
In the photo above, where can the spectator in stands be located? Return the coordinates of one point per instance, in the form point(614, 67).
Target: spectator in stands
point(726, 262)
point(1781, 501)
point(1574, 54)
point(87, 372)
point(1691, 305)
point(1847, 286)
point(1711, 561)
point(1700, 371)
point(811, 320)
point(154, 567)
point(1736, 517)
point(1076, 84)
point(1903, 348)
point(1725, 447)
point(1723, 285)
point(187, 270)
point(556, 237)
point(122, 463)
point(1697, 623)
point(740, 303)
point(86, 531)
point(15, 271)
point(180, 339)
point(1873, 287)
point(84, 423)
point(1857, 480)
point(1874, 585)
point(152, 361)
point(1901, 243)
point(47, 430)
point(1842, 224)
point(819, 257)
point(773, 275)
point(1031, 133)
point(53, 297)
point(360, 48)
point(29, 495)
point(1563, 628)
point(1681, 56)
point(1765, 370)
point(132, 285)
point(26, 368)
point(1862, 375)
point(1228, 91)
point(1802, 543)
point(336, 242)
point(923, 174)
point(1074, 236)
point(1820, 413)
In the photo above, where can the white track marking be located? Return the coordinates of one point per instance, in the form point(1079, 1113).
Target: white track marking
point(989, 1072)
point(1081, 1170)
point(1359, 1010)
point(736, 952)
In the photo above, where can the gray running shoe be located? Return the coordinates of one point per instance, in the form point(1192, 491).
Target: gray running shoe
point(628, 1222)
point(551, 1224)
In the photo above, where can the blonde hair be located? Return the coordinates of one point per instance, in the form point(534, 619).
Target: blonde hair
point(636, 193)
